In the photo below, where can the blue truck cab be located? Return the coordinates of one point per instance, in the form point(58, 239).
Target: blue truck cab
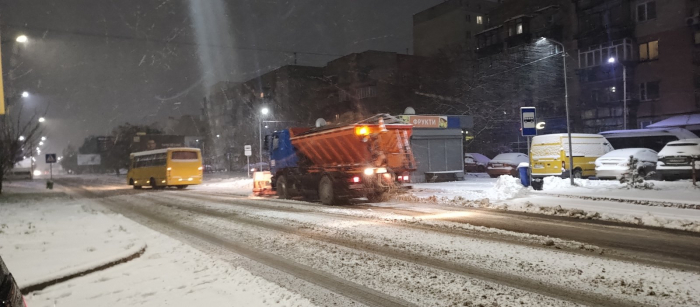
point(282, 152)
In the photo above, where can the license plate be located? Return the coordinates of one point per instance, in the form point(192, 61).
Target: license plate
point(539, 166)
point(676, 161)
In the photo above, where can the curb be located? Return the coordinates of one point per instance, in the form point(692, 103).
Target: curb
point(43, 285)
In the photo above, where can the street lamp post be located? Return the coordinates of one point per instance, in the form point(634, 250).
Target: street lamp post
point(624, 92)
point(566, 103)
point(264, 112)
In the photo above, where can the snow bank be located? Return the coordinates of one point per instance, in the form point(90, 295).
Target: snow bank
point(506, 187)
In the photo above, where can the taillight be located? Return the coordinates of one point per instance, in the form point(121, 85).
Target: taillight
point(356, 179)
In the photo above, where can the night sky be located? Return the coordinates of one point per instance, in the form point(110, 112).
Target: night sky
point(95, 64)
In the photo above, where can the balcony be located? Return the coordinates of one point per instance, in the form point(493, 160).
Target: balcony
point(598, 55)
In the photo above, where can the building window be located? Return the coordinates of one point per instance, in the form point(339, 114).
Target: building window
point(595, 95)
point(479, 20)
point(366, 92)
point(646, 11)
point(469, 18)
point(649, 91)
point(469, 35)
point(649, 51)
point(519, 28)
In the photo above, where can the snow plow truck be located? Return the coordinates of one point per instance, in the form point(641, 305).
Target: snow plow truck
point(333, 164)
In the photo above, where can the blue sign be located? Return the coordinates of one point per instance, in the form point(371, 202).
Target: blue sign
point(528, 121)
point(50, 158)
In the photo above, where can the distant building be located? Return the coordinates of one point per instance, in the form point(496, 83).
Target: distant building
point(656, 42)
point(449, 26)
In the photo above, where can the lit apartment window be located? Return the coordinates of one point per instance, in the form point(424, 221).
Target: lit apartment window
point(646, 11)
point(649, 51)
point(479, 20)
point(648, 91)
point(519, 28)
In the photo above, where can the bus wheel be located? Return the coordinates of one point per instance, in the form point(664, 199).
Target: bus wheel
point(325, 191)
point(182, 187)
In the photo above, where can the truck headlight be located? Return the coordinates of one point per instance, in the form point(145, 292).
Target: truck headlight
point(369, 171)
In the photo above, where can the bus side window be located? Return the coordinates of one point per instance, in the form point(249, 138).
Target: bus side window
point(275, 142)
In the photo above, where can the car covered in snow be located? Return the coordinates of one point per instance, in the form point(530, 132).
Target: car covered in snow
point(506, 164)
point(475, 162)
point(676, 157)
point(615, 164)
point(10, 294)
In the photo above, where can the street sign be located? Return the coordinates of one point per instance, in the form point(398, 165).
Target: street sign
point(50, 158)
point(528, 121)
point(248, 150)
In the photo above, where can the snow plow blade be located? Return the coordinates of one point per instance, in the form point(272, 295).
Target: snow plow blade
point(262, 184)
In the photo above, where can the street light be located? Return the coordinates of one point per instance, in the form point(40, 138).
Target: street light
point(264, 112)
point(43, 138)
point(41, 119)
point(41, 143)
point(21, 138)
point(22, 39)
point(25, 94)
point(566, 103)
point(624, 92)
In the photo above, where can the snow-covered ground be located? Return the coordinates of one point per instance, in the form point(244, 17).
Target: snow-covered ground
point(670, 204)
point(45, 235)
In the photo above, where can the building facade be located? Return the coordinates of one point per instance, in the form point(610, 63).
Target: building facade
point(450, 26)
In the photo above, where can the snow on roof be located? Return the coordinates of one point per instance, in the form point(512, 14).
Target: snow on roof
point(556, 137)
point(164, 150)
point(490, 29)
point(679, 132)
point(681, 147)
point(678, 121)
point(511, 156)
point(516, 17)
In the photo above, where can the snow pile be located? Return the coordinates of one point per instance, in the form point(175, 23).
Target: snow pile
point(506, 187)
point(241, 186)
point(556, 183)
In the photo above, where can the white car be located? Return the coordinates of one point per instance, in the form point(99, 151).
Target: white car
point(506, 164)
point(615, 164)
point(676, 158)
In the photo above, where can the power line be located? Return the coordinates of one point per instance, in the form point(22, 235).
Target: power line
point(171, 41)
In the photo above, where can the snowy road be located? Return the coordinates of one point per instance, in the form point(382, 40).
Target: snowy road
point(399, 254)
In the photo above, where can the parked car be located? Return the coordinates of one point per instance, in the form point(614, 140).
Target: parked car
point(550, 154)
point(615, 164)
point(506, 164)
point(676, 157)
point(475, 162)
point(10, 294)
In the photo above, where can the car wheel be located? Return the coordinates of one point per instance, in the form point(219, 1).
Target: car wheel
point(281, 186)
point(481, 169)
point(325, 191)
point(493, 176)
point(578, 174)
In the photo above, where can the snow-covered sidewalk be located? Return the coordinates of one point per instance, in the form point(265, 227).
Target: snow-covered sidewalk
point(669, 204)
point(44, 236)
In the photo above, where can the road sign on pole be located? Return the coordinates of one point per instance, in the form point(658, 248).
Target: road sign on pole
point(248, 150)
point(528, 121)
point(50, 158)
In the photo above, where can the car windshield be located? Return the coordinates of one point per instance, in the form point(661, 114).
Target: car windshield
point(338, 152)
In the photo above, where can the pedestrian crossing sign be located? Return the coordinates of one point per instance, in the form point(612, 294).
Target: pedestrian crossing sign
point(50, 158)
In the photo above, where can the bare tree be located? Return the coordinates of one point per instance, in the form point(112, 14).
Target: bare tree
point(493, 88)
point(16, 139)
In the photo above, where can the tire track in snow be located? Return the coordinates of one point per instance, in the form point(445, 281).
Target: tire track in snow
point(513, 281)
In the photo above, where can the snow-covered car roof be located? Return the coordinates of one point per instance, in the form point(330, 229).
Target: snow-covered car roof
point(624, 153)
point(678, 132)
point(478, 157)
point(687, 147)
point(511, 156)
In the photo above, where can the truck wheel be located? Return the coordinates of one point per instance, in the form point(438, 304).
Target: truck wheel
point(281, 186)
point(378, 197)
point(325, 191)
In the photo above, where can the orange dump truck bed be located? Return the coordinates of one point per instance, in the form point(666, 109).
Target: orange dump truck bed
point(358, 145)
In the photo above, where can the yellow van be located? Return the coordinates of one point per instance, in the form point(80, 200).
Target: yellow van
point(169, 167)
point(549, 154)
